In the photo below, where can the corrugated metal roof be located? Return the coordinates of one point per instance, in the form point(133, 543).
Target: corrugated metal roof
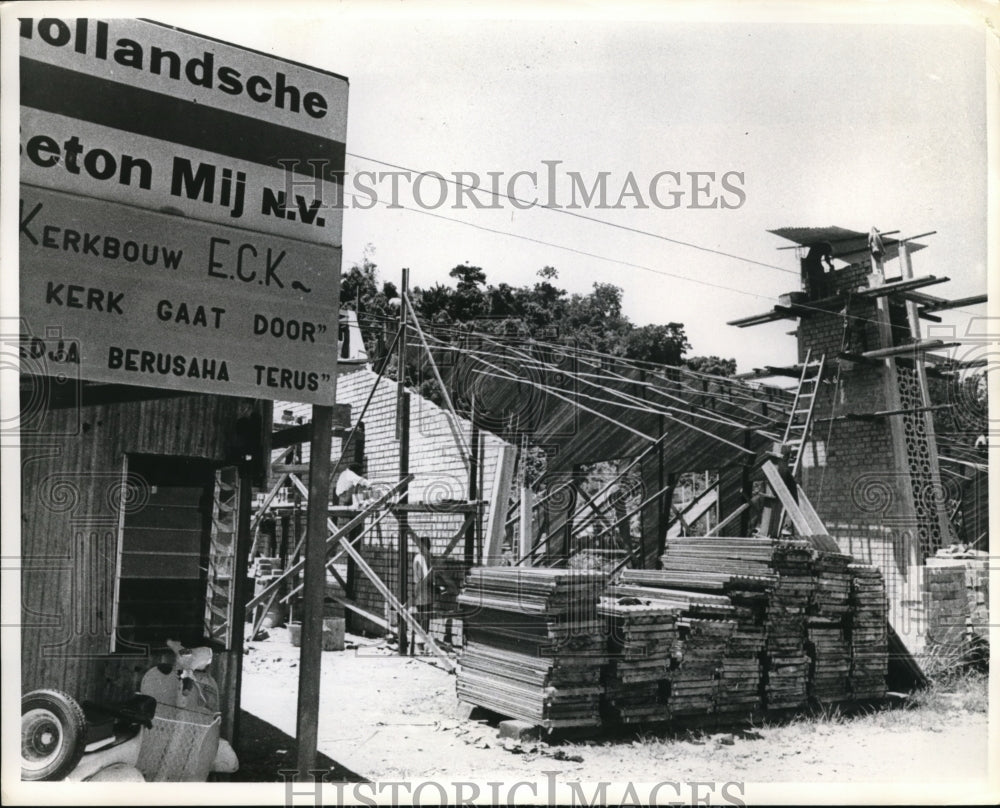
point(583, 408)
point(848, 245)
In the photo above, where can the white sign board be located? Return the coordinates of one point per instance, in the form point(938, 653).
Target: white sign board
point(152, 116)
point(129, 296)
point(219, 170)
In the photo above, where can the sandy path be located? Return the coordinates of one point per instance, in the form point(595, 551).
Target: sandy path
point(392, 718)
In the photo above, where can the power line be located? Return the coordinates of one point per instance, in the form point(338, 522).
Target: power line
point(599, 257)
point(569, 249)
point(567, 212)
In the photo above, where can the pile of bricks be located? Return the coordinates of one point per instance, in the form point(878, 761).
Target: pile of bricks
point(946, 605)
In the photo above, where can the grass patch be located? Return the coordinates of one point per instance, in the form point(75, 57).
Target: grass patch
point(957, 691)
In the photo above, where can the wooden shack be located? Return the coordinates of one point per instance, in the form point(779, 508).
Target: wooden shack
point(134, 506)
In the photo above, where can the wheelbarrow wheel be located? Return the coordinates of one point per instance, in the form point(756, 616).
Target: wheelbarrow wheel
point(53, 731)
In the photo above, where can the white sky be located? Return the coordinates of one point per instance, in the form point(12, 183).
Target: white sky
point(843, 122)
point(846, 124)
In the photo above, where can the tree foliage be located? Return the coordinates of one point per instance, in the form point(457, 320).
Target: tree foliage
point(542, 310)
point(712, 365)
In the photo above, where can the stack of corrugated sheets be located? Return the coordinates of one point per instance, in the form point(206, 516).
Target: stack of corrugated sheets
point(830, 660)
point(728, 627)
point(716, 661)
point(868, 633)
point(716, 563)
point(534, 644)
point(826, 638)
point(641, 635)
point(694, 683)
point(833, 584)
point(786, 662)
point(740, 674)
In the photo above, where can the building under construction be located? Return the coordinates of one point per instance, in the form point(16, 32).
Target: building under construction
point(541, 455)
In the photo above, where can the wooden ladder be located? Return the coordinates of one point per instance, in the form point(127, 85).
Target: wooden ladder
point(800, 419)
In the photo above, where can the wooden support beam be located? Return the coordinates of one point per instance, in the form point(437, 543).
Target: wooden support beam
point(403, 436)
point(777, 313)
point(338, 532)
point(376, 619)
point(464, 451)
point(525, 529)
point(798, 519)
point(503, 479)
point(945, 305)
point(948, 363)
point(872, 416)
point(259, 621)
point(397, 606)
point(729, 519)
point(267, 501)
point(284, 435)
point(340, 553)
point(899, 286)
point(472, 546)
point(290, 468)
point(914, 348)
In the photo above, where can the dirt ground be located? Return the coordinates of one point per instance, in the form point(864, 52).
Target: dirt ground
point(384, 717)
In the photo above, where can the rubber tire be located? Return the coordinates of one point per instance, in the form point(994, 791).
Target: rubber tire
point(48, 712)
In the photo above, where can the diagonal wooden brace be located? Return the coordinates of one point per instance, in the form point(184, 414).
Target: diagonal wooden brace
point(399, 608)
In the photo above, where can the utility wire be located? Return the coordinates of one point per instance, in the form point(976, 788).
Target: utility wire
point(606, 223)
point(616, 260)
point(565, 211)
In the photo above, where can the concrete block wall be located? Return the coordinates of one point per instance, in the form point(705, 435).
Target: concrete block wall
point(849, 468)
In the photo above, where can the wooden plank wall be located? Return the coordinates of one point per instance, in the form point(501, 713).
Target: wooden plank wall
point(71, 473)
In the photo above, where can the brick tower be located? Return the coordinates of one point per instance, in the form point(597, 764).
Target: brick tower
point(870, 465)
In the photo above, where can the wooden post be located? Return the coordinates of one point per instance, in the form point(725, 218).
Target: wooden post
point(746, 477)
point(525, 507)
point(664, 505)
point(470, 533)
point(502, 479)
point(525, 526)
point(314, 580)
point(403, 436)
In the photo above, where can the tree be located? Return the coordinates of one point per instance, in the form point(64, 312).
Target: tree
point(359, 290)
point(468, 277)
point(662, 344)
point(713, 365)
point(541, 311)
